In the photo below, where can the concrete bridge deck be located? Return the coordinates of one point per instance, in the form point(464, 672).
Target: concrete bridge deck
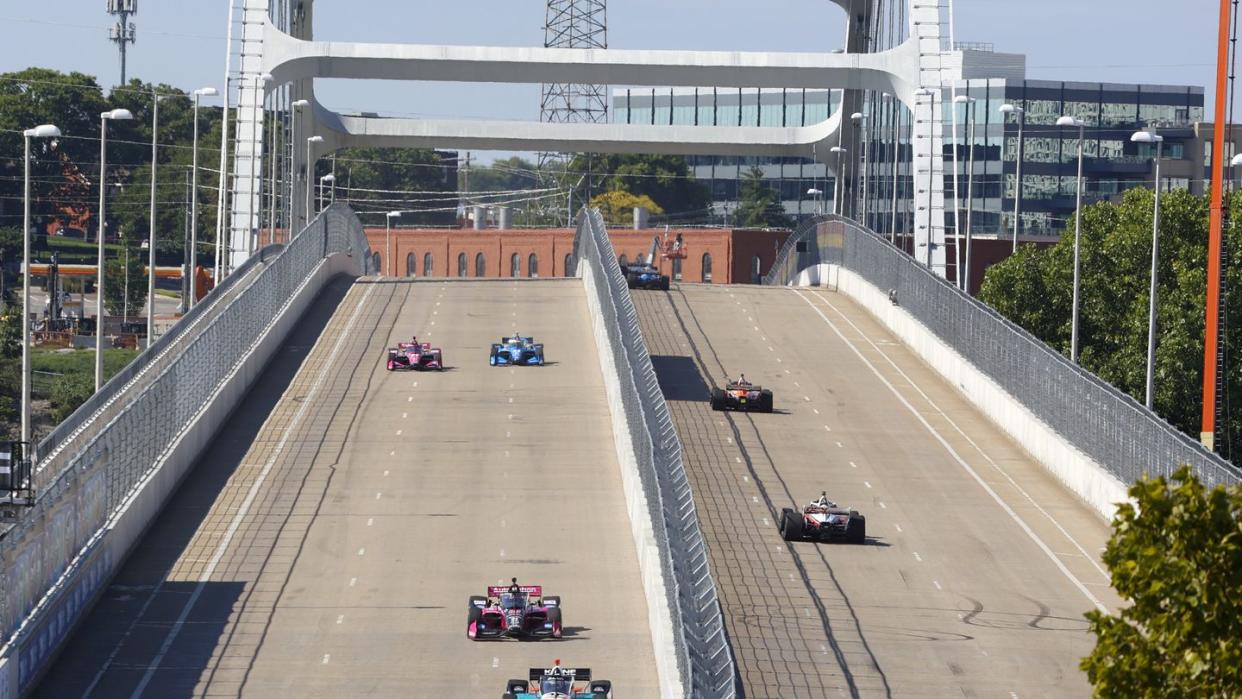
point(327, 544)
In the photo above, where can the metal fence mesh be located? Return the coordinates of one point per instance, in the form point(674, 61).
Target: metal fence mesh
point(92, 464)
point(705, 658)
point(1110, 427)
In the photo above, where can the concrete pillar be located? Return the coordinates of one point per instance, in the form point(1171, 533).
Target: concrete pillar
point(641, 215)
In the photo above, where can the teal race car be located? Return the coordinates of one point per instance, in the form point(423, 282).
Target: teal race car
point(558, 682)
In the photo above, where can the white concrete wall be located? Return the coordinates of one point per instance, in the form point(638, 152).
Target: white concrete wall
point(1092, 482)
point(69, 600)
point(650, 562)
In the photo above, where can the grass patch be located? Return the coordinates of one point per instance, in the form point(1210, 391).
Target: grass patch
point(80, 361)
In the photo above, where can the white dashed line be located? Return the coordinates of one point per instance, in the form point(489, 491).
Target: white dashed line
point(393, 452)
point(827, 428)
point(495, 662)
point(917, 557)
point(510, 399)
point(340, 619)
point(770, 348)
point(385, 474)
point(937, 584)
point(853, 465)
point(739, 459)
point(502, 553)
point(840, 445)
point(868, 484)
point(898, 527)
point(410, 399)
point(362, 551)
point(729, 440)
point(815, 410)
point(370, 521)
point(508, 434)
point(404, 415)
point(326, 657)
point(398, 433)
point(378, 495)
point(353, 581)
point(806, 398)
point(883, 506)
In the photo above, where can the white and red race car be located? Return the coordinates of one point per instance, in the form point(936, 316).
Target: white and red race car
point(415, 355)
point(823, 520)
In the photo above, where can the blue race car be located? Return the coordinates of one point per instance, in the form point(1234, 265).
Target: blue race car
point(558, 683)
point(645, 277)
point(516, 350)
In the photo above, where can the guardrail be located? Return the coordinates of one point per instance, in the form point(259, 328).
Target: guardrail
point(58, 555)
point(1111, 428)
point(705, 660)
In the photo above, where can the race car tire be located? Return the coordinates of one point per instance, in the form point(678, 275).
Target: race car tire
point(473, 619)
point(552, 601)
point(508, 695)
point(554, 618)
point(765, 401)
point(718, 399)
point(857, 531)
point(600, 689)
point(516, 687)
point(663, 283)
point(791, 525)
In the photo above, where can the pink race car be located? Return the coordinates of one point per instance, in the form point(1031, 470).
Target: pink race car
point(516, 610)
point(415, 355)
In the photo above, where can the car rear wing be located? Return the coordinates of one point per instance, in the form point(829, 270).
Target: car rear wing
point(577, 674)
point(497, 590)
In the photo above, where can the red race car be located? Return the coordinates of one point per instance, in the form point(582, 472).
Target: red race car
point(519, 611)
point(415, 355)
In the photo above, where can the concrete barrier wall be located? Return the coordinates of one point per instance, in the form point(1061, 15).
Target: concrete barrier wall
point(1092, 482)
point(650, 561)
point(28, 655)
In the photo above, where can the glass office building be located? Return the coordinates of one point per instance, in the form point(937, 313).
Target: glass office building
point(1112, 164)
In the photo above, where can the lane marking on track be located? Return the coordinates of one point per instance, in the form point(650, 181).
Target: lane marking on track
point(508, 434)
point(393, 452)
point(1055, 522)
point(780, 361)
point(510, 399)
point(415, 384)
point(495, 662)
point(806, 398)
point(244, 510)
point(787, 371)
point(747, 480)
point(502, 553)
point(340, 619)
point(385, 474)
point(868, 484)
point(937, 584)
point(729, 440)
point(764, 338)
point(506, 452)
point(405, 415)
point(362, 551)
point(770, 348)
point(370, 521)
point(353, 581)
point(797, 384)
point(840, 445)
point(883, 506)
point(398, 433)
point(326, 657)
point(853, 465)
point(826, 427)
point(815, 410)
point(917, 557)
point(510, 416)
point(738, 458)
point(898, 527)
point(377, 496)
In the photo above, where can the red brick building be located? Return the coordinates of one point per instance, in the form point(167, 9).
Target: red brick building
point(720, 256)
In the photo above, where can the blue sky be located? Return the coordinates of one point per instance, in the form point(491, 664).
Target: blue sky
point(182, 41)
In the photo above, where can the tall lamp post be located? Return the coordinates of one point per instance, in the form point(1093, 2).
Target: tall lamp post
point(41, 131)
point(838, 193)
point(328, 180)
point(388, 236)
point(155, 131)
point(1017, 195)
point(310, 173)
point(1148, 137)
point(816, 194)
point(104, 118)
point(1080, 125)
point(193, 270)
point(964, 274)
point(293, 180)
point(861, 120)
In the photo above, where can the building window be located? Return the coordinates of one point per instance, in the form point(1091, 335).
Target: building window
point(707, 268)
point(379, 262)
point(410, 269)
point(480, 265)
point(568, 261)
point(429, 266)
point(515, 265)
point(461, 264)
point(532, 265)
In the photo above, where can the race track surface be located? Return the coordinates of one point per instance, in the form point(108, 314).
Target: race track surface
point(978, 566)
point(327, 544)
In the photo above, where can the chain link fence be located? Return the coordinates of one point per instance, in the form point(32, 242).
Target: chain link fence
point(1108, 426)
point(92, 464)
point(705, 657)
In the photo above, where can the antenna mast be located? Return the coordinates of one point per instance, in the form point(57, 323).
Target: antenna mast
point(122, 33)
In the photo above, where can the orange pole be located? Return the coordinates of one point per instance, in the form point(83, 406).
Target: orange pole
point(1220, 167)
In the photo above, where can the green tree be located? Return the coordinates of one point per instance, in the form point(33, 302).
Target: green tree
point(1176, 557)
point(69, 392)
point(505, 175)
point(1034, 289)
point(125, 284)
point(377, 180)
point(618, 206)
point(665, 179)
point(760, 205)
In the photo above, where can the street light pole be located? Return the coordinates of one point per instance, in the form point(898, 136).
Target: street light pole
point(970, 189)
point(963, 273)
point(293, 180)
point(328, 180)
point(1071, 121)
point(193, 270)
point(155, 130)
point(388, 237)
point(114, 115)
point(310, 174)
point(1148, 137)
point(42, 131)
point(815, 194)
point(1017, 195)
point(862, 125)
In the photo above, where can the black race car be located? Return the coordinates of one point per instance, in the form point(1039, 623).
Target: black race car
point(823, 520)
point(742, 395)
point(645, 277)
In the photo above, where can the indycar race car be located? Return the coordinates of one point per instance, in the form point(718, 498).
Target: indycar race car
point(516, 350)
point(558, 682)
point(515, 611)
point(645, 277)
point(415, 355)
point(823, 520)
point(742, 395)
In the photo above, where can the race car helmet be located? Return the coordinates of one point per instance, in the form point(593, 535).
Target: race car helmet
point(556, 686)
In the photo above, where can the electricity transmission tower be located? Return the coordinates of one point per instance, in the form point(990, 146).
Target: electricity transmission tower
point(573, 24)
